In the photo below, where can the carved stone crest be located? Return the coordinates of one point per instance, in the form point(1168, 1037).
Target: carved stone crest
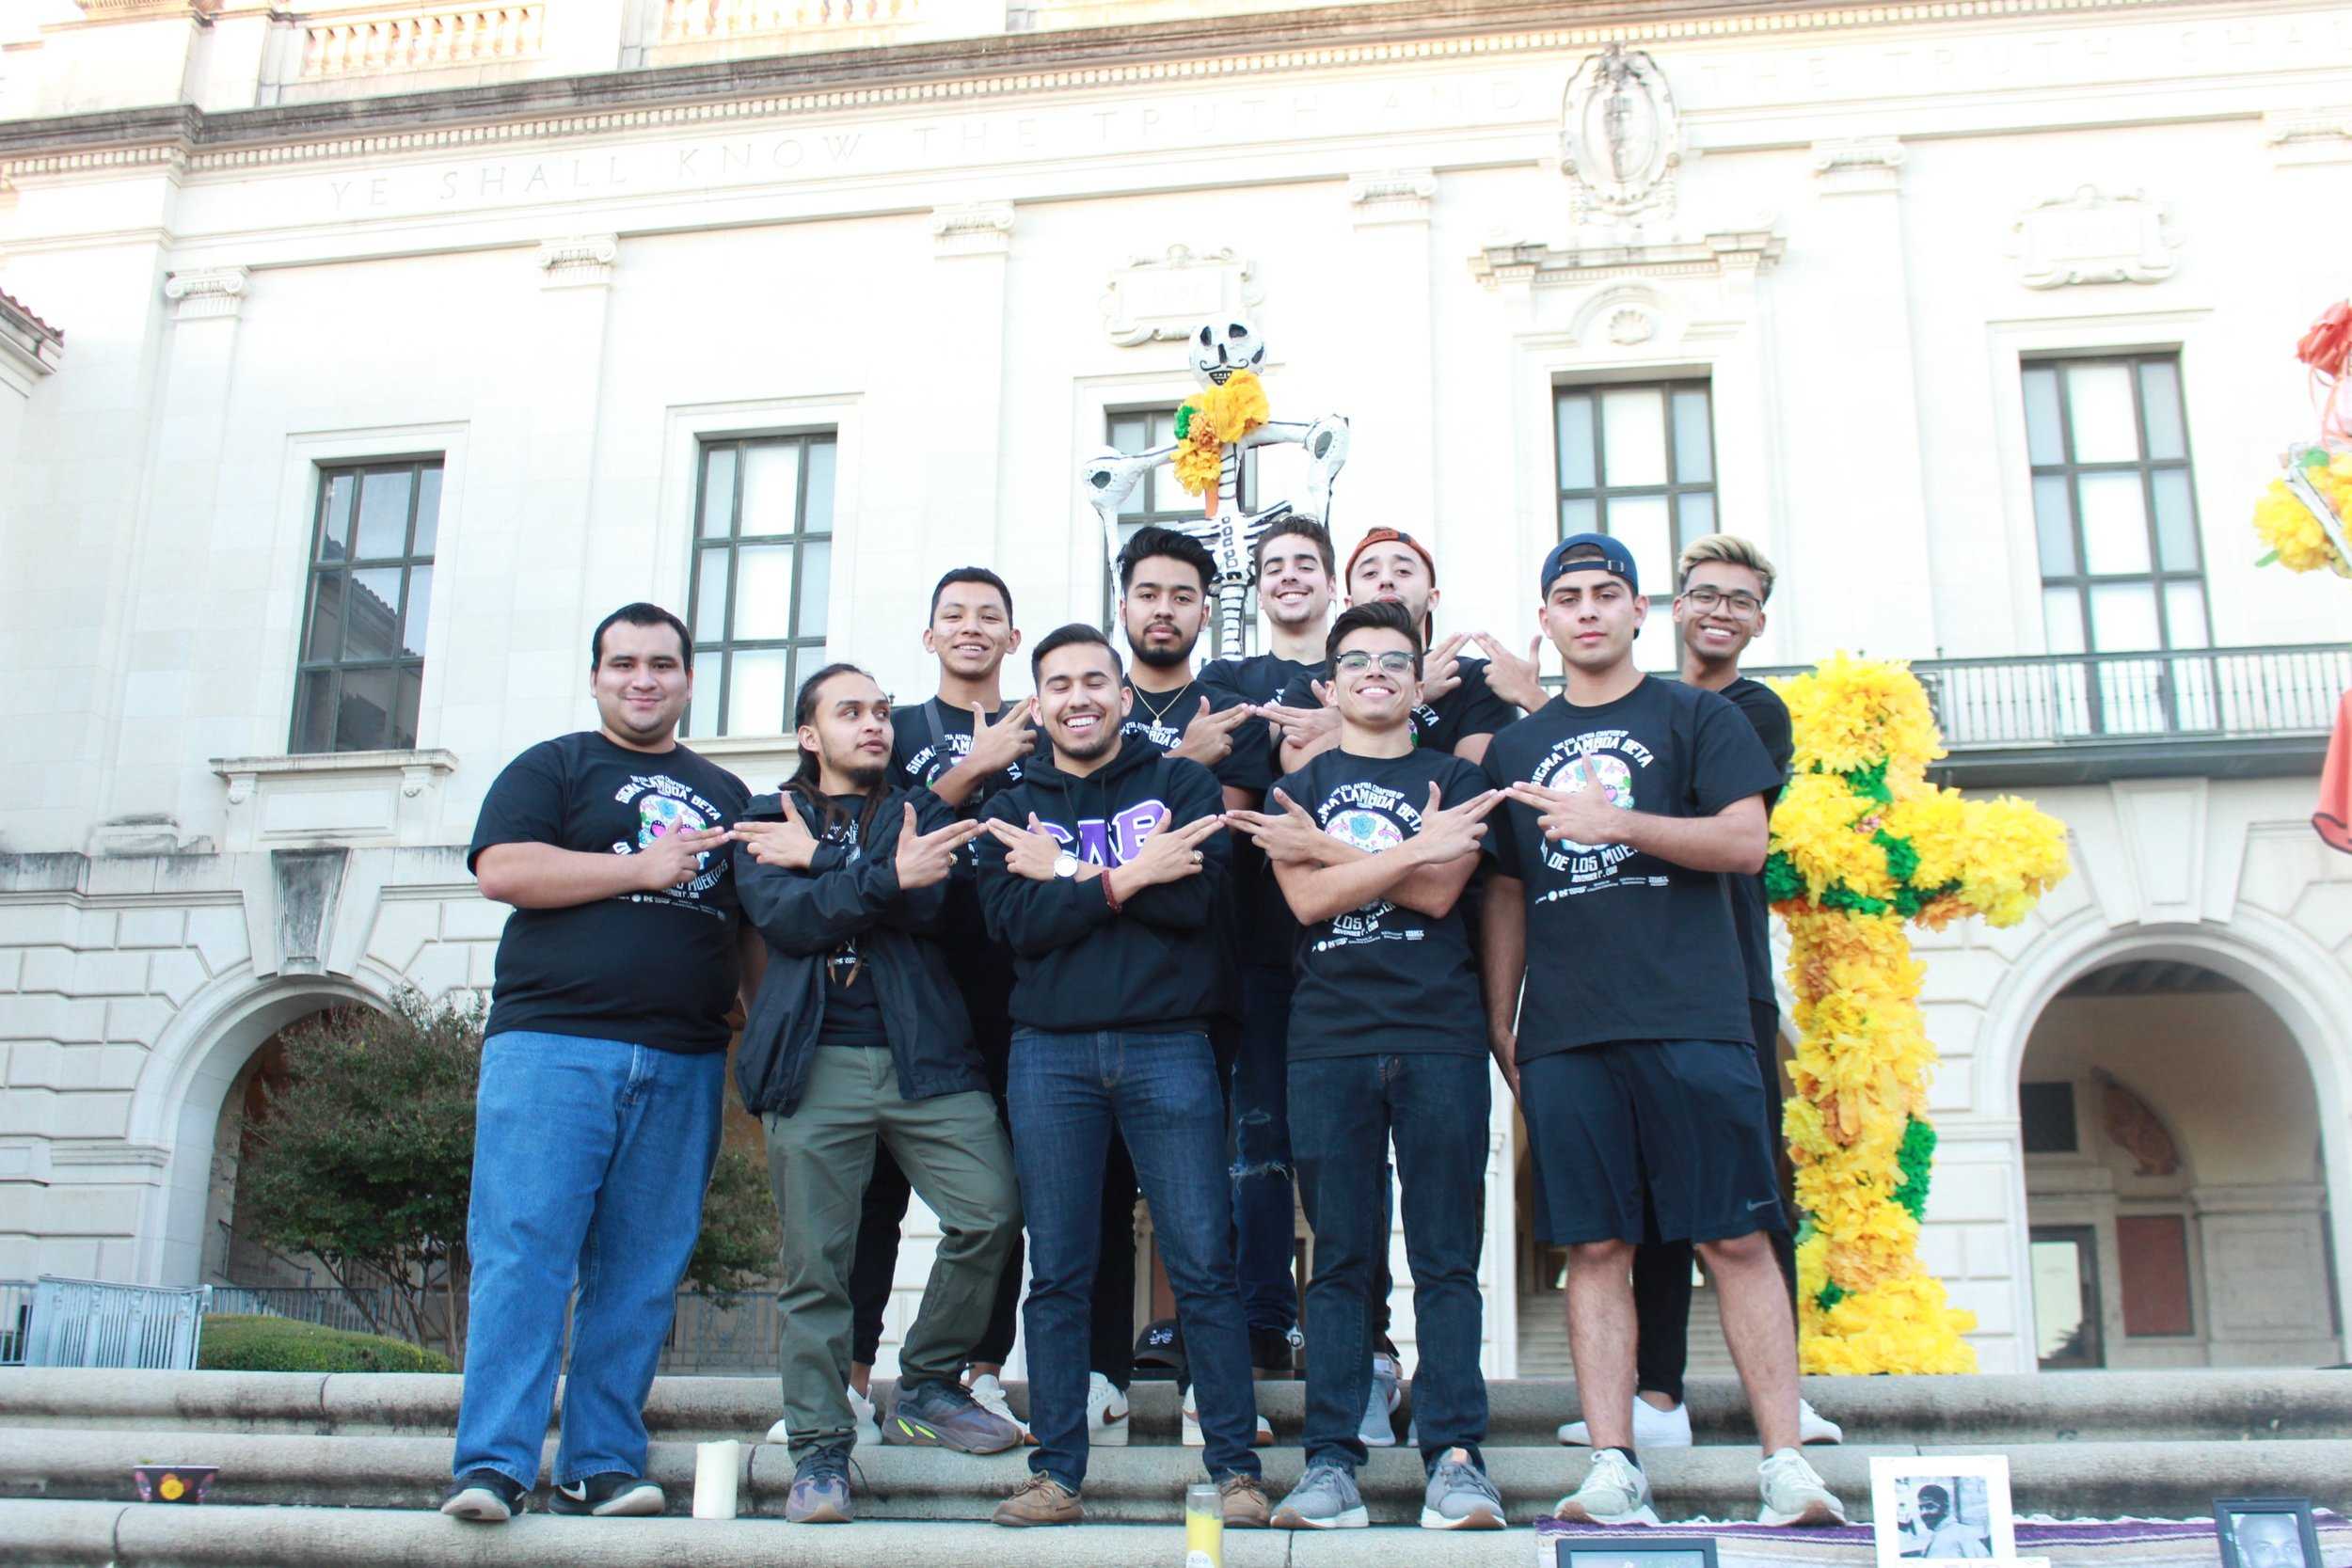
point(2091, 237)
point(1167, 296)
point(1620, 139)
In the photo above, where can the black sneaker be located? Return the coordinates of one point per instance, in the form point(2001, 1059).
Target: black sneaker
point(942, 1415)
point(1273, 1352)
point(611, 1494)
point(483, 1497)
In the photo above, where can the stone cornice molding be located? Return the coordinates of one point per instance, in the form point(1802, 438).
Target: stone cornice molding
point(976, 228)
point(205, 295)
point(1204, 49)
point(30, 348)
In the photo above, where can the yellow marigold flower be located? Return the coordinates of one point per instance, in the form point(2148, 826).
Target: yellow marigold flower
point(2287, 526)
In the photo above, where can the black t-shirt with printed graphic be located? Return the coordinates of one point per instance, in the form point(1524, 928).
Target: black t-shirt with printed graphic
point(927, 739)
point(1471, 708)
point(656, 969)
point(853, 1017)
point(1623, 945)
point(1382, 980)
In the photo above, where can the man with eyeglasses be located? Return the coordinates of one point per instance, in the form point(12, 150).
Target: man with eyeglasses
point(1373, 842)
point(1722, 582)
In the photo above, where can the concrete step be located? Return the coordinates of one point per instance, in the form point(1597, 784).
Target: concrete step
point(2188, 1405)
point(89, 1535)
point(1145, 1483)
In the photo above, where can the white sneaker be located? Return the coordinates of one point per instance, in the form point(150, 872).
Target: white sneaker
point(1107, 1412)
point(1616, 1492)
point(1378, 1427)
point(1814, 1427)
point(988, 1394)
point(1793, 1494)
point(1653, 1428)
point(861, 1412)
point(1194, 1438)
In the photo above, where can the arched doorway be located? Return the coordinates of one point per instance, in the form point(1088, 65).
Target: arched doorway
point(2175, 1180)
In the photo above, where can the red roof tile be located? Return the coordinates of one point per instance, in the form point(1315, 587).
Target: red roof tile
point(18, 307)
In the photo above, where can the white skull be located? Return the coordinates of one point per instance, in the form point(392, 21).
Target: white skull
point(1221, 347)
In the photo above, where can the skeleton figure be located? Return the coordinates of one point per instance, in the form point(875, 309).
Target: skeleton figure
point(1219, 348)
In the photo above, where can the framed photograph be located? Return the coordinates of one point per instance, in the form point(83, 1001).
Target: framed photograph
point(2266, 1533)
point(1939, 1508)
point(1563, 1545)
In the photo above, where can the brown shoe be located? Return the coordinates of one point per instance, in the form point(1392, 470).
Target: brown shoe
point(1044, 1500)
point(1246, 1505)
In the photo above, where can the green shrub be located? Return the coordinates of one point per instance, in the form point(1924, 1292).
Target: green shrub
point(235, 1343)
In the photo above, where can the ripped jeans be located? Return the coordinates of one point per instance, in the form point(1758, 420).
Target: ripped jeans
point(1264, 1242)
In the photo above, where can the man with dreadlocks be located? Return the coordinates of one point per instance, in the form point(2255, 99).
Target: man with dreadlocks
point(858, 1038)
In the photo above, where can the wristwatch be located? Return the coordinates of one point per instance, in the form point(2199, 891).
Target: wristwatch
point(1065, 864)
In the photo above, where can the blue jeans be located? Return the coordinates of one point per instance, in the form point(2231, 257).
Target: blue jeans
point(1065, 1093)
point(589, 1166)
point(1343, 1110)
point(1263, 1236)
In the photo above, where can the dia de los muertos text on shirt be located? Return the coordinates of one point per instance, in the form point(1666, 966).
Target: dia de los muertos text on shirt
point(1623, 945)
point(1382, 978)
point(655, 969)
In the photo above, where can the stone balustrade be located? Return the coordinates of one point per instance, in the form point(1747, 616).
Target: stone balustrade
point(418, 38)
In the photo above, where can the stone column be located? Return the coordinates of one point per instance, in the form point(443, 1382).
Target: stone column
point(1866, 518)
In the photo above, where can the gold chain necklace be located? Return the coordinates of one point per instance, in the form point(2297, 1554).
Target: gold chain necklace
point(1159, 714)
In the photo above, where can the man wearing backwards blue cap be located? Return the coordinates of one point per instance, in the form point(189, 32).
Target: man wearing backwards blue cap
point(1631, 800)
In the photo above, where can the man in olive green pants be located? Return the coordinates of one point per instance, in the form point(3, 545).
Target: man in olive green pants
point(858, 1039)
point(955, 1153)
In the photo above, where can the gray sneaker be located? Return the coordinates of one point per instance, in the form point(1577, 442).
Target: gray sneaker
point(943, 1414)
point(1378, 1430)
point(1325, 1498)
point(1460, 1496)
point(820, 1490)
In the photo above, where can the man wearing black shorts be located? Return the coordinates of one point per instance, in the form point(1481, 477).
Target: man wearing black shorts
point(1722, 582)
point(1631, 800)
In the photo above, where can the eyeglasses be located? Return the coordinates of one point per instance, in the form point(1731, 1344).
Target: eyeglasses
point(1356, 661)
point(1708, 600)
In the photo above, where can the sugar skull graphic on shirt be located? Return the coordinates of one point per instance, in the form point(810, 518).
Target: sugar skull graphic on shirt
point(665, 806)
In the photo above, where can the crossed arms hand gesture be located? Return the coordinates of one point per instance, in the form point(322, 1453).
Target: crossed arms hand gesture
point(1168, 855)
point(1209, 738)
point(995, 748)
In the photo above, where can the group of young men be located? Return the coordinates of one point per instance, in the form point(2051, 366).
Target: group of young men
point(1183, 931)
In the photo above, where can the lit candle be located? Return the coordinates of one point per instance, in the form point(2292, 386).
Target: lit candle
point(718, 1468)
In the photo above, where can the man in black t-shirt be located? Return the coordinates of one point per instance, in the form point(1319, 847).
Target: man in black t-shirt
point(597, 1118)
point(961, 745)
point(1724, 582)
point(1632, 802)
point(1295, 569)
point(1373, 842)
point(1463, 700)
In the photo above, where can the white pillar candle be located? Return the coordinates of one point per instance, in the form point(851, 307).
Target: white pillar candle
point(718, 1468)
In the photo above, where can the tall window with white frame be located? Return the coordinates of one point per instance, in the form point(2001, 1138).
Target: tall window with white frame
point(1157, 498)
point(2115, 520)
point(763, 566)
point(361, 670)
point(1637, 462)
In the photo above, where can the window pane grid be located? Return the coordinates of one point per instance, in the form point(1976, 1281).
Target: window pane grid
point(1157, 499)
point(2161, 552)
point(751, 650)
point(1668, 511)
point(359, 663)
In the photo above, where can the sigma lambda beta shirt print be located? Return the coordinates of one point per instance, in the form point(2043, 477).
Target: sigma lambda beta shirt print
point(665, 806)
point(1612, 757)
point(1371, 817)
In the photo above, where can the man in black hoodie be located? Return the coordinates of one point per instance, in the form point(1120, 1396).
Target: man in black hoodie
point(857, 1037)
point(1103, 871)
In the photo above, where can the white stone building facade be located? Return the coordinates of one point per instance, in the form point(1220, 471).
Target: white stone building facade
point(1976, 316)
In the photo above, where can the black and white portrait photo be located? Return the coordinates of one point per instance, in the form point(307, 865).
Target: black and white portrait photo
point(1943, 1516)
point(2266, 1533)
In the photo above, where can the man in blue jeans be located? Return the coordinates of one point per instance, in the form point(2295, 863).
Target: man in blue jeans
point(597, 1120)
point(1102, 870)
point(1373, 842)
